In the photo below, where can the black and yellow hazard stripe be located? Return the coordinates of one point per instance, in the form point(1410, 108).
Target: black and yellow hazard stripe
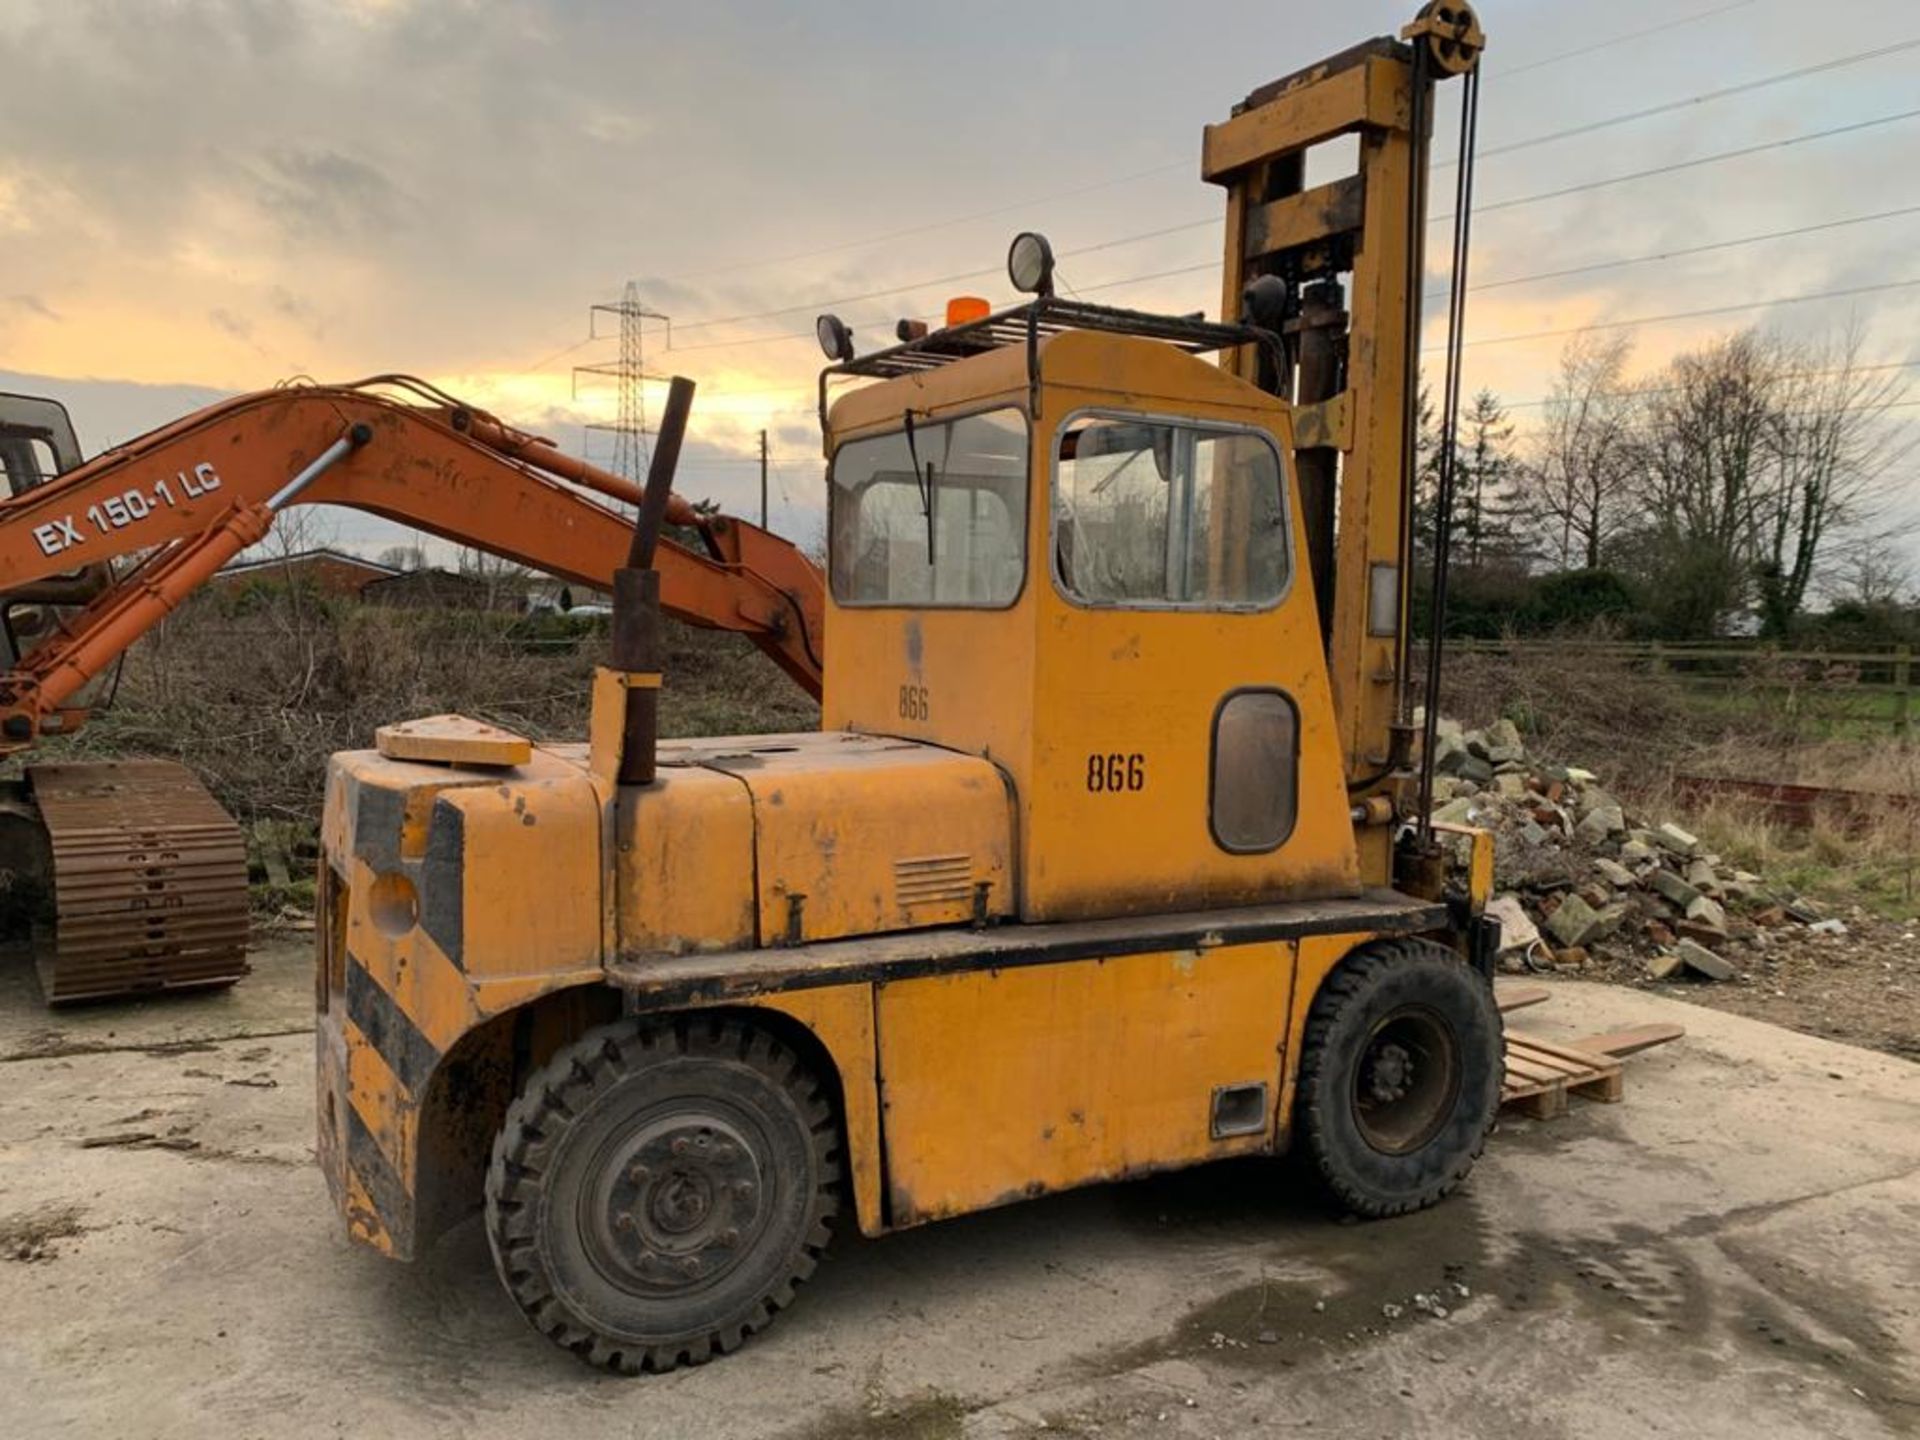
point(389, 1063)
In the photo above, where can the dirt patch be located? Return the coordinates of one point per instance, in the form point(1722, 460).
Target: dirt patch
point(934, 1416)
point(1862, 988)
point(35, 1235)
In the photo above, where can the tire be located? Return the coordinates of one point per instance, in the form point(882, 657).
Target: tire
point(660, 1187)
point(1400, 1076)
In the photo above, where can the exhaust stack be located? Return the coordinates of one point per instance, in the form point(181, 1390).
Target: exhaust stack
point(636, 598)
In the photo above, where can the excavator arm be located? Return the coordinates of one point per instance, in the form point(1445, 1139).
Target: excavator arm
point(182, 501)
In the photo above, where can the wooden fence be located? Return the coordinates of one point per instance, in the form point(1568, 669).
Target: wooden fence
point(1875, 685)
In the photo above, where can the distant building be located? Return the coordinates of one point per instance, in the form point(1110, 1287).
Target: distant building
point(443, 590)
point(546, 594)
point(333, 572)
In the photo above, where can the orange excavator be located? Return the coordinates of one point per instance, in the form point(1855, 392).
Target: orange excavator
point(146, 872)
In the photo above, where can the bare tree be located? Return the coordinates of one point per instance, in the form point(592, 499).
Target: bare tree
point(1578, 491)
point(501, 578)
point(1833, 454)
point(1871, 573)
point(404, 557)
point(1705, 450)
point(1762, 459)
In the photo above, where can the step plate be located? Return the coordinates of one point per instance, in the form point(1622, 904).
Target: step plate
point(149, 881)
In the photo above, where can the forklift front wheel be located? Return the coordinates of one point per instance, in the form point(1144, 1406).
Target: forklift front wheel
point(659, 1189)
point(1399, 1076)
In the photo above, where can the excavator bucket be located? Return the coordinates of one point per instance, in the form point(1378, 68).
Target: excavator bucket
point(148, 881)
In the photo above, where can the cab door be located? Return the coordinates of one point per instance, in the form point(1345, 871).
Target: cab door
point(1184, 746)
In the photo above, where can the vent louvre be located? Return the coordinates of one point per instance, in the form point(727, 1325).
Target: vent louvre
point(933, 880)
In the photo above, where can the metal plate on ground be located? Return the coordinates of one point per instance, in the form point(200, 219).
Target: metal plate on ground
point(149, 881)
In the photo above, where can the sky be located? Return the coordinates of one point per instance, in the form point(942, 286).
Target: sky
point(199, 197)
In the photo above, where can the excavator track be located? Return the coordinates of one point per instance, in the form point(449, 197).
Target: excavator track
point(149, 881)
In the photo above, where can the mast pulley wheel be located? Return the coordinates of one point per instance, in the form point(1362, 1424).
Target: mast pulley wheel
point(1452, 34)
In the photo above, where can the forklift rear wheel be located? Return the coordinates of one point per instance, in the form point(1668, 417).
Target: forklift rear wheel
point(1399, 1076)
point(660, 1188)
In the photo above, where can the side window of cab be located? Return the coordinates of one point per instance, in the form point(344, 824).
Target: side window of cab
point(1160, 514)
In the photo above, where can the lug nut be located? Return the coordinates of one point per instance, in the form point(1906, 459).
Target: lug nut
point(638, 1174)
point(729, 1238)
point(690, 1266)
point(679, 1145)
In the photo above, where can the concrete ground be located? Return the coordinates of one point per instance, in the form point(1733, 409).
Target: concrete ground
point(1731, 1252)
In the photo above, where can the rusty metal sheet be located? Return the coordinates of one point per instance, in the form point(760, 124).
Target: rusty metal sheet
point(149, 881)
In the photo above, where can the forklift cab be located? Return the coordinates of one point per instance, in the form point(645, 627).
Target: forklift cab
point(1061, 539)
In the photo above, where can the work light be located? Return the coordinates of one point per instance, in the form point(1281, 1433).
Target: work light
point(1030, 263)
point(836, 340)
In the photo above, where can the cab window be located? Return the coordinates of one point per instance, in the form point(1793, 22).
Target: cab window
point(938, 520)
point(1148, 513)
point(25, 462)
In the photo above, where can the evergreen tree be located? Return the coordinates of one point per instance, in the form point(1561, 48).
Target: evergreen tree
point(1485, 512)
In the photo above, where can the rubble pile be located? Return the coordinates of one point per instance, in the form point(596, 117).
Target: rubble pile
point(1583, 884)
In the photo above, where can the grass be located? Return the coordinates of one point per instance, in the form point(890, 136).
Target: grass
point(1639, 731)
point(253, 697)
point(1866, 855)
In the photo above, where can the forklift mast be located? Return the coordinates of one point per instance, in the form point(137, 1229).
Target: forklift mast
point(1336, 270)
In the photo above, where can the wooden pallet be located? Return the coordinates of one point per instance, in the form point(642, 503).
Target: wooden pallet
point(1541, 1074)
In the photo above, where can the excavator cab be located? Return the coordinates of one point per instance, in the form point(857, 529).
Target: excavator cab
point(1097, 865)
point(37, 443)
point(139, 876)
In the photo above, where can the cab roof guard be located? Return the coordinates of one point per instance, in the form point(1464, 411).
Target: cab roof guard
point(1027, 324)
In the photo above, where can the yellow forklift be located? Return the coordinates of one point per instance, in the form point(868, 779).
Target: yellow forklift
point(1109, 856)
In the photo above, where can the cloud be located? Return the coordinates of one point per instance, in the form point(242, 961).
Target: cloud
point(228, 323)
point(325, 195)
point(34, 305)
point(616, 128)
point(297, 311)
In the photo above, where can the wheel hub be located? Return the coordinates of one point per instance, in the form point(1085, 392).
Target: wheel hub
point(686, 1199)
point(1390, 1072)
point(1407, 1080)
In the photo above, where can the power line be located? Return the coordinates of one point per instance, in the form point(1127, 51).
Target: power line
point(1692, 314)
point(1562, 273)
point(1789, 375)
point(925, 284)
point(1546, 60)
point(1705, 98)
point(562, 354)
point(1703, 249)
point(829, 304)
point(1092, 187)
point(1679, 165)
point(1572, 270)
point(1212, 220)
point(871, 240)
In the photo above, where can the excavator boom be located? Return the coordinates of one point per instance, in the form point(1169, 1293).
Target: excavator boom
point(147, 875)
point(189, 496)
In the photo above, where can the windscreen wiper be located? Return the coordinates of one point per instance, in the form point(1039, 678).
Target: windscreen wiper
point(923, 479)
